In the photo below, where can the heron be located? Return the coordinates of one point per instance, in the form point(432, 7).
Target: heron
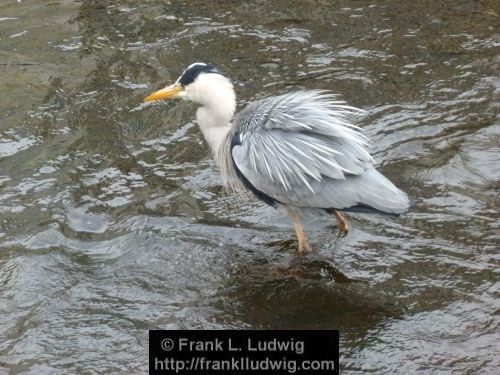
point(299, 150)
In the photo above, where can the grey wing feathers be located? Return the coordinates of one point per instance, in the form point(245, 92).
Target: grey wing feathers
point(301, 149)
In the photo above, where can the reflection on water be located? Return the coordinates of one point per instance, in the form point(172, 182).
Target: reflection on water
point(113, 222)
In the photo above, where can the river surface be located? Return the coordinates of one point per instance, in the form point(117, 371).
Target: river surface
point(113, 220)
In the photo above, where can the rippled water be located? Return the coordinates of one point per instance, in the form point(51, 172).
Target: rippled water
point(113, 221)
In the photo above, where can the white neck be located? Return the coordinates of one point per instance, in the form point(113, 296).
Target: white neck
point(216, 95)
point(213, 127)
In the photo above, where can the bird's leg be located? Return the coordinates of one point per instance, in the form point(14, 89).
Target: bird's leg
point(342, 224)
point(303, 245)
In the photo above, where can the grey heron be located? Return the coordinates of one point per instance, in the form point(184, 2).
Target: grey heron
point(296, 150)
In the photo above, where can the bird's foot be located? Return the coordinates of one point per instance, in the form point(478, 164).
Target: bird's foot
point(343, 232)
point(342, 224)
point(303, 247)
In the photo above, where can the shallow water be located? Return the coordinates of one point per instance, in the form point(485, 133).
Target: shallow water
point(113, 221)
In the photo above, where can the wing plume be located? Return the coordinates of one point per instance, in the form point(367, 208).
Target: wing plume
point(302, 149)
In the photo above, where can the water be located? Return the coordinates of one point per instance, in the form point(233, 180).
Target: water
point(113, 221)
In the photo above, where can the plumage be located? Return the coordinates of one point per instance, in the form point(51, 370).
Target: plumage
point(310, 155)
point(296, 150)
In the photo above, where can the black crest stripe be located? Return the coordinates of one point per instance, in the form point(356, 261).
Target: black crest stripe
point(194, 71)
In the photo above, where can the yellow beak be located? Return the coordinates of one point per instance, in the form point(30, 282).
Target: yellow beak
point(169, 92)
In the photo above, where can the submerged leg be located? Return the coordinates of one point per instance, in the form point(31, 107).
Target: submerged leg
point(303, 245)
point(342, 224)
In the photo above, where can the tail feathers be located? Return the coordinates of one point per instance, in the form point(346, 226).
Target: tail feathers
point(378, 194)
point(365, 209)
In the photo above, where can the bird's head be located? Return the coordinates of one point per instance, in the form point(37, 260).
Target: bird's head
point(201, 83)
